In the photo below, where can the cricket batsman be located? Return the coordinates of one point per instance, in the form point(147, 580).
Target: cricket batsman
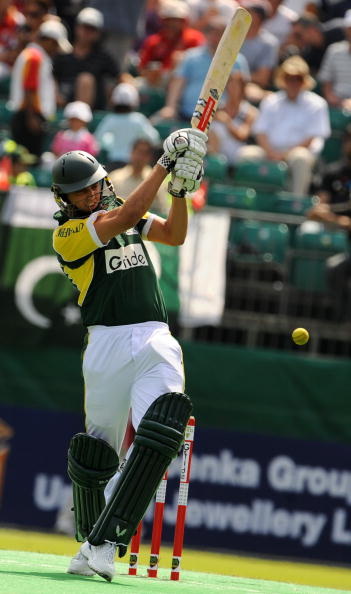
point(131, 361)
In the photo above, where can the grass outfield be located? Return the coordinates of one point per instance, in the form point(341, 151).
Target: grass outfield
point(43, 558)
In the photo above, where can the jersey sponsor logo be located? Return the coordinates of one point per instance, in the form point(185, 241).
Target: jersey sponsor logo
point(67, 231)
point(124, 258)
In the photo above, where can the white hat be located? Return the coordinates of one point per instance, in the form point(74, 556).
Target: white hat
point(79, 110)
point(174, 9)
point(53, 29)
point(347, 18)
point(91, 17)
point(125, 94)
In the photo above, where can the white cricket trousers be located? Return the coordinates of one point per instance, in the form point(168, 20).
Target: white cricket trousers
point(127, 368)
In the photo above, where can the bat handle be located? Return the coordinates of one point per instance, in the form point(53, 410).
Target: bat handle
point(177, 184)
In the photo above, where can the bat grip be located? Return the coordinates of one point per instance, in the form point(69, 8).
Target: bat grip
point(177, 184)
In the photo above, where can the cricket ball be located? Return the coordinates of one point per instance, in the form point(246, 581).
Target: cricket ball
point(300, 336)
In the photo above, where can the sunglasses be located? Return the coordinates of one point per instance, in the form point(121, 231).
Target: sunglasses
point(294, 77)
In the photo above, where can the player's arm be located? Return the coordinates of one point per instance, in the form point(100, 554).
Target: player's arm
point(172, 230)
point(183, 155)
point(118, 220)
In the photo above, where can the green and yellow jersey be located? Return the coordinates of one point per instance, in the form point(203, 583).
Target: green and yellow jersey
point(117, 283)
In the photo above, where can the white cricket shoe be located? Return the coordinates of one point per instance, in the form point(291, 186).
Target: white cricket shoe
point(101, 559)
point(79, 563)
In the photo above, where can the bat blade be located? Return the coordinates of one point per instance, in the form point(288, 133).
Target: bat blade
point(220, 69)
point(218, 73)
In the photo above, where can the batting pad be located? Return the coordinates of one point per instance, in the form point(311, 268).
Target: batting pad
point(91, 464)
point(158, 439)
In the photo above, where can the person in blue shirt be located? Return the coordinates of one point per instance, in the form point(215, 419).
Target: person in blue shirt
point(187, 79)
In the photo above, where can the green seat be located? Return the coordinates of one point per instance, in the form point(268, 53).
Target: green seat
point(230, 196)
point(98, 115)
point(286, 203)
point(312, 236)
point(151, 100)
point(216, 167)
point(257, 241)
point(166, 127)
point(339, 118)
point(42, 177)
point(332, 149)
point(262, 174)
point(313, 245)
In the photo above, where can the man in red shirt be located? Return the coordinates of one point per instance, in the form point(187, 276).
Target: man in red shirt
point(165, 47)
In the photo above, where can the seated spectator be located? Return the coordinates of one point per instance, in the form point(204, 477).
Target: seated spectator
point(231, 129)
point(35, 13)
point(310, 38)
point(334, 211)
point(201, 11)
point(335, 72)
point(87, 73)
point(280, 22)
point(292, 124)
point(260, 48)
point(32, 92)
point(21, 160)
point(175, 36)
point(118, 130)
point(77, 136)
point(127, 178)
point(11, 20)
point(186, 82)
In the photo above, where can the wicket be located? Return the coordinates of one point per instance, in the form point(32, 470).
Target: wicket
point(160, 499)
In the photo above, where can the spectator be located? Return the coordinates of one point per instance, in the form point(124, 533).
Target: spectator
point(35, 13)
point(175, 36)
point(332, 9)
point(303, 124)
point(77, 136)
point(124, 24)
point(127, 178)
point(187, 79)
point(201, 11)
point(117, 131)
point(32, 92)
point(280, 22)
point(334, 194)
point(11, 20)
point(260, 49)
point(335, 72)
point(310, 39)
point(21, 160)
point(231, 130)
point(87, 73)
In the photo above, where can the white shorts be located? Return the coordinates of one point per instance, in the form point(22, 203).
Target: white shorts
point(127, 368)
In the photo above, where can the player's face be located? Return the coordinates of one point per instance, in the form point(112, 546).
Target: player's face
point(86, 199)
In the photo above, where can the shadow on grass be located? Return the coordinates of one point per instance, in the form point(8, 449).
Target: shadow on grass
point(64, 577)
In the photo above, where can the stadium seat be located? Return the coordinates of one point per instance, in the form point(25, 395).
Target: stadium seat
point(286, 203)
point(216, 168)
point(151, 100)
point(165, 127)
point(312, 246)
point(255, 241)
point(42, 177)
point(98, 115)
point(229, 196)
point(262, 174)
point(339, 118)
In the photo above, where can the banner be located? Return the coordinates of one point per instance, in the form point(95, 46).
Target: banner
point(256, 494)
point(39, 304)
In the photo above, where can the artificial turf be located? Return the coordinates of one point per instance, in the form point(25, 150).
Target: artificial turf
point(23, 572)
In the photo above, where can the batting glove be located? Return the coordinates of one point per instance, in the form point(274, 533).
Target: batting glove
point(186, 139)
point(187, 175)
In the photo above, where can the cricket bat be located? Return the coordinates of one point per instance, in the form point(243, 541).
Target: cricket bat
point(218, 73)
